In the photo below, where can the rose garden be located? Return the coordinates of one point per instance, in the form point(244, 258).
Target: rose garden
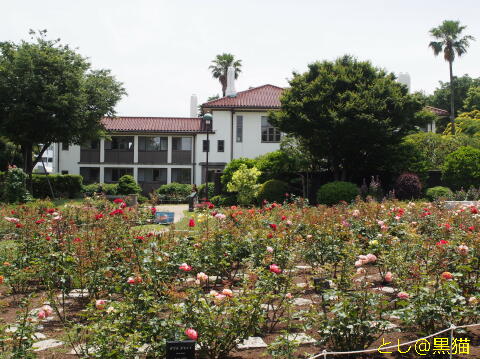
point(280, 280)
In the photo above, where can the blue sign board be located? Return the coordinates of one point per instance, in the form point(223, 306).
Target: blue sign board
point(164, 217)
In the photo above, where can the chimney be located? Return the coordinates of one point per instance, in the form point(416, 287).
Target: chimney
point(230, 91)
point(193, 106)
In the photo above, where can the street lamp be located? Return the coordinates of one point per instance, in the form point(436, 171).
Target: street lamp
point(207, 118)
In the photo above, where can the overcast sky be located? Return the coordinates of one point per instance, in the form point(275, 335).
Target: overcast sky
point(161, 50)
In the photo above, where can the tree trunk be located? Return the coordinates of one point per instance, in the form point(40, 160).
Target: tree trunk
point(452, 97)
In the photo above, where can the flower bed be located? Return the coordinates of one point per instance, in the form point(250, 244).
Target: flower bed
point(341, 278)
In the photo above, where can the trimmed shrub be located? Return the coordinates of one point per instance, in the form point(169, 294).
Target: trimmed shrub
point(174, 192)
point(63, 185)
point(334, 192)
point(101, 188)
point(233, 166)
point(128, 185)
point(273, 191)
point(438, 192)
point(224, 200)
point(408, 186)
point(462, 168)
point(202, 190)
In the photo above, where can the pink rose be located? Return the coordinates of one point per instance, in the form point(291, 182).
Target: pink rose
point(185, 267)
point(356, 213)
point(388, 277)
point(371, 258)
point(289, 296)
point(274, 269)
point(202, 277)
point(41, 315)
point(269, 249)
point(100, 304)
point(358, 263)
point(48, 310)
point(403, 295)
point(191, 334)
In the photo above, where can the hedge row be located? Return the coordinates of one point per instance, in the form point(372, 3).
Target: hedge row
point(63, 185)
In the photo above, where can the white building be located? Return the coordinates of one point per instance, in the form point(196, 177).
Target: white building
point(160, 150)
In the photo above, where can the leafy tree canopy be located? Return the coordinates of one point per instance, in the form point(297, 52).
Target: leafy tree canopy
point(349, 113)
point(49, 93)
point(472, 101)
point(461, 85)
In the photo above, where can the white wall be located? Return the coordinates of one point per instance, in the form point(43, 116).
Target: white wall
point(69, 160)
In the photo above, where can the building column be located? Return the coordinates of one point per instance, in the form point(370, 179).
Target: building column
point(135, 173)
point(135, 150)
point(169, 152)
point(102, 174)
point(169, 175)
point(102, 153)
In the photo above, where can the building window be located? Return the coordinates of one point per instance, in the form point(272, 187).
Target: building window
point(206, 145)
point(181, 175)
point(181, 144)
point(64, 146)
point(152, 175)
point(64, 172)
point(90, 174)
point(239, 128)
point(269, 132)
point(91, 145)
point(114, 174)
point(220, 146)
point(153, 143)
point(120, 143)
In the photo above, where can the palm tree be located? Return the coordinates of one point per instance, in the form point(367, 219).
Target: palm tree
point(220, 66)
point(450, 42)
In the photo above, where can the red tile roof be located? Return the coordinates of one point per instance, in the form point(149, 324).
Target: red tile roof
point(437, 111)
point(153, 124)
point(262, 97)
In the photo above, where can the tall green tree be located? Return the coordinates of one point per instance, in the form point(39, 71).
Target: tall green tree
point(220, 66)
point(349, 114)
point(472, 101)
point(442, 94)
point(449, 40)
point(49, 93)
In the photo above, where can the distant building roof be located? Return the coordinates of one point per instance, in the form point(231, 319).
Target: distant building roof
point(437, 111)
point(153, 124)
point(262, 97)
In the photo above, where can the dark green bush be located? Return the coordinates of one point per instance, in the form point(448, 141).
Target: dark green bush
point(408, 186)
point(462, 168)
point(334, 192)
point(142, 199)
point(438, 192)
point(14, 189)
point(202, 190)
point(224, 200)
point(128, 185)
point(100, 188)
point(273, 191)
point(63, 185)
point(174, 191)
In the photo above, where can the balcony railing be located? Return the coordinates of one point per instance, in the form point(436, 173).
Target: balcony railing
point(118, 156)
point(152, 157)
point(182, 157)
point(89, 156)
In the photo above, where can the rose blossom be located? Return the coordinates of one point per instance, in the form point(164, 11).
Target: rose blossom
point(447, 275)
point(269, 249)
point(185, 267)
point(371, 258)
point(403, 295)
point(274, 269)
point(388, 277)
point(227, 293)
point(48, 310)
point(361, 271)
point(220, 216)
point(202, 276)
point(100, 304)
point(289, 296)
point(463, 249)
point(191, 333)
point(191, 222)
point(41, 315)
point(356, 213)
point(213, 293)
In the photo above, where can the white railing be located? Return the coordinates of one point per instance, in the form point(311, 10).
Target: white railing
point(452, 328)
